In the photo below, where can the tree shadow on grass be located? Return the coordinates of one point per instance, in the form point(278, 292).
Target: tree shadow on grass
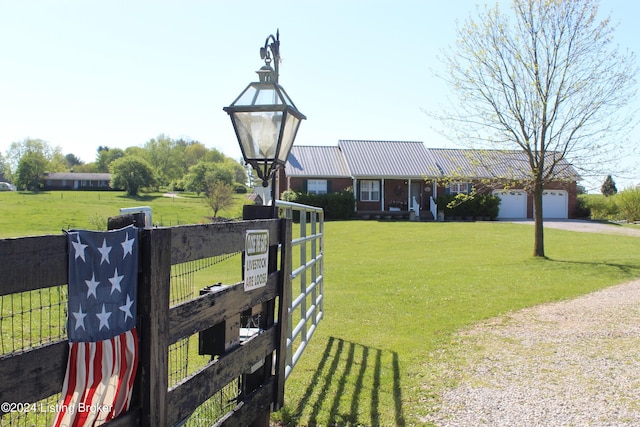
point(140, 197)
point(351, 383)
point(632, 269)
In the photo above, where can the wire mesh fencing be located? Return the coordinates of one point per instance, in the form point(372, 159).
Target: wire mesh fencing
point(187, 279)
point(35, 318)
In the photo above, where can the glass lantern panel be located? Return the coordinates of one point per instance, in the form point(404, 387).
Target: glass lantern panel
point(247, 97)
point(258, 133)
point(289, 133)
point(286, 98)
point(268, 97)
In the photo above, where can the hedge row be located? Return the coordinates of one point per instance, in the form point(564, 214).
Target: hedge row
point(340, 205)
point(463, 206)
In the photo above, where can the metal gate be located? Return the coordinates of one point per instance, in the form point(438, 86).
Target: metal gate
point(306, 306)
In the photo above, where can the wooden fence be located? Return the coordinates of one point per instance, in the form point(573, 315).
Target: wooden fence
point(33, 374)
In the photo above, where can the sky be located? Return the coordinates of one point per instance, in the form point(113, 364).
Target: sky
point(80, 74)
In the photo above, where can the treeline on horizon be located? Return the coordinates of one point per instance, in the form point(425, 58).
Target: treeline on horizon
point(175, 164)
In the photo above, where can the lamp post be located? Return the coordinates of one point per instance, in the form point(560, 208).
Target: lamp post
point(265, 119)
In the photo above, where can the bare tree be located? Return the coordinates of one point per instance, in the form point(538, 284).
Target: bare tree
point(545, 79)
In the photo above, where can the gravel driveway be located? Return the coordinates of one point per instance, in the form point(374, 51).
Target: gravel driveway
point(571, 363)
point(586, 226)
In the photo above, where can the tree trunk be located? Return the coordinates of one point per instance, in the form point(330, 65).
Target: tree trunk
point(538, 245)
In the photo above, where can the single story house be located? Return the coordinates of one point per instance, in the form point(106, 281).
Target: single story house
point(77, 181)
point(397, 177)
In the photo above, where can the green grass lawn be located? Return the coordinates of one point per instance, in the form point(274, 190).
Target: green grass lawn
point(395, 293)
point(29, 214)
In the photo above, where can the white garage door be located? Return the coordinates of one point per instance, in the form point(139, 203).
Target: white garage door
point(555, 204)
point(513, 204)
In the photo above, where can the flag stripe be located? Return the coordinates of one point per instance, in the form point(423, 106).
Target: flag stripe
point(103, 341)
point(100, 388)
point(132, 350)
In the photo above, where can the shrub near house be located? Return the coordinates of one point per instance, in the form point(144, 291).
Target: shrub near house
point(339, 205)
point(463, 206)
point(623, 206)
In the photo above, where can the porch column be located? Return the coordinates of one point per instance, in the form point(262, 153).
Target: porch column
point(382, 195)
point(409, 194)
point(355, 193)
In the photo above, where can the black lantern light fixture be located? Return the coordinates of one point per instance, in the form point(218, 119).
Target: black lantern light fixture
point(264, 118)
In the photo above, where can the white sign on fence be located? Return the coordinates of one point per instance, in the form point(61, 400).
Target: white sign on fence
point(256, 260)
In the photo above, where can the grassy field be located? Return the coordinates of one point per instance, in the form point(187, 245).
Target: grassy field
point(28, 214)
point(395, 293)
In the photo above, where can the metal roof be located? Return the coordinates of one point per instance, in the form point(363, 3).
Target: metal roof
point(388, 159)
point(479, 164)
point(316, 161)
point(411, 159)
point(79, 176)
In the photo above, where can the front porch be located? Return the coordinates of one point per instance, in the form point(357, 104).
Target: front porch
point(395, 215)
point(399, 199)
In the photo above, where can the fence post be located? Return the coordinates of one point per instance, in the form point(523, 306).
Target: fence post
point(267, 314)
point(153, 321)
point(284, 292)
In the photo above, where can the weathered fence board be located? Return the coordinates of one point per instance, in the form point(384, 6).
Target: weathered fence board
point(38, 373)
point(32, 263)
point(201, 241)
point(131, 418)
point(153, 309)
point(255, 402)
point(217, 306)
point(41, 262)
point(184, 398)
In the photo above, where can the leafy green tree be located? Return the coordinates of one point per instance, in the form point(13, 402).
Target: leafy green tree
point(195, 180)
point(202, 175)
point(136, 152)
point(215, 156)
point(193, 153)
point(219, 195)
point(106, 156)
point(18, 149)
point(629, 204)
point(31, 158)
point(58, 162)
point(30, 172)
point(86, 168)
point(166, 157)
point(5, 169)
point(546, 80)
point(53, 156)
point(239, 172)
point(131, 173)
point(609, 187)
point(72, 160)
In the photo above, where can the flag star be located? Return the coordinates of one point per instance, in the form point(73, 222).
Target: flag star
point(104, 250)
point(127, 245)
point(115, 281)
point(79, 248)
point(91, 286)
point(104, 318)
point(79, 315)
point(126, 308)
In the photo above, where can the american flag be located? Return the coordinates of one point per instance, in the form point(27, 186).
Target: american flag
point(103, 346)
